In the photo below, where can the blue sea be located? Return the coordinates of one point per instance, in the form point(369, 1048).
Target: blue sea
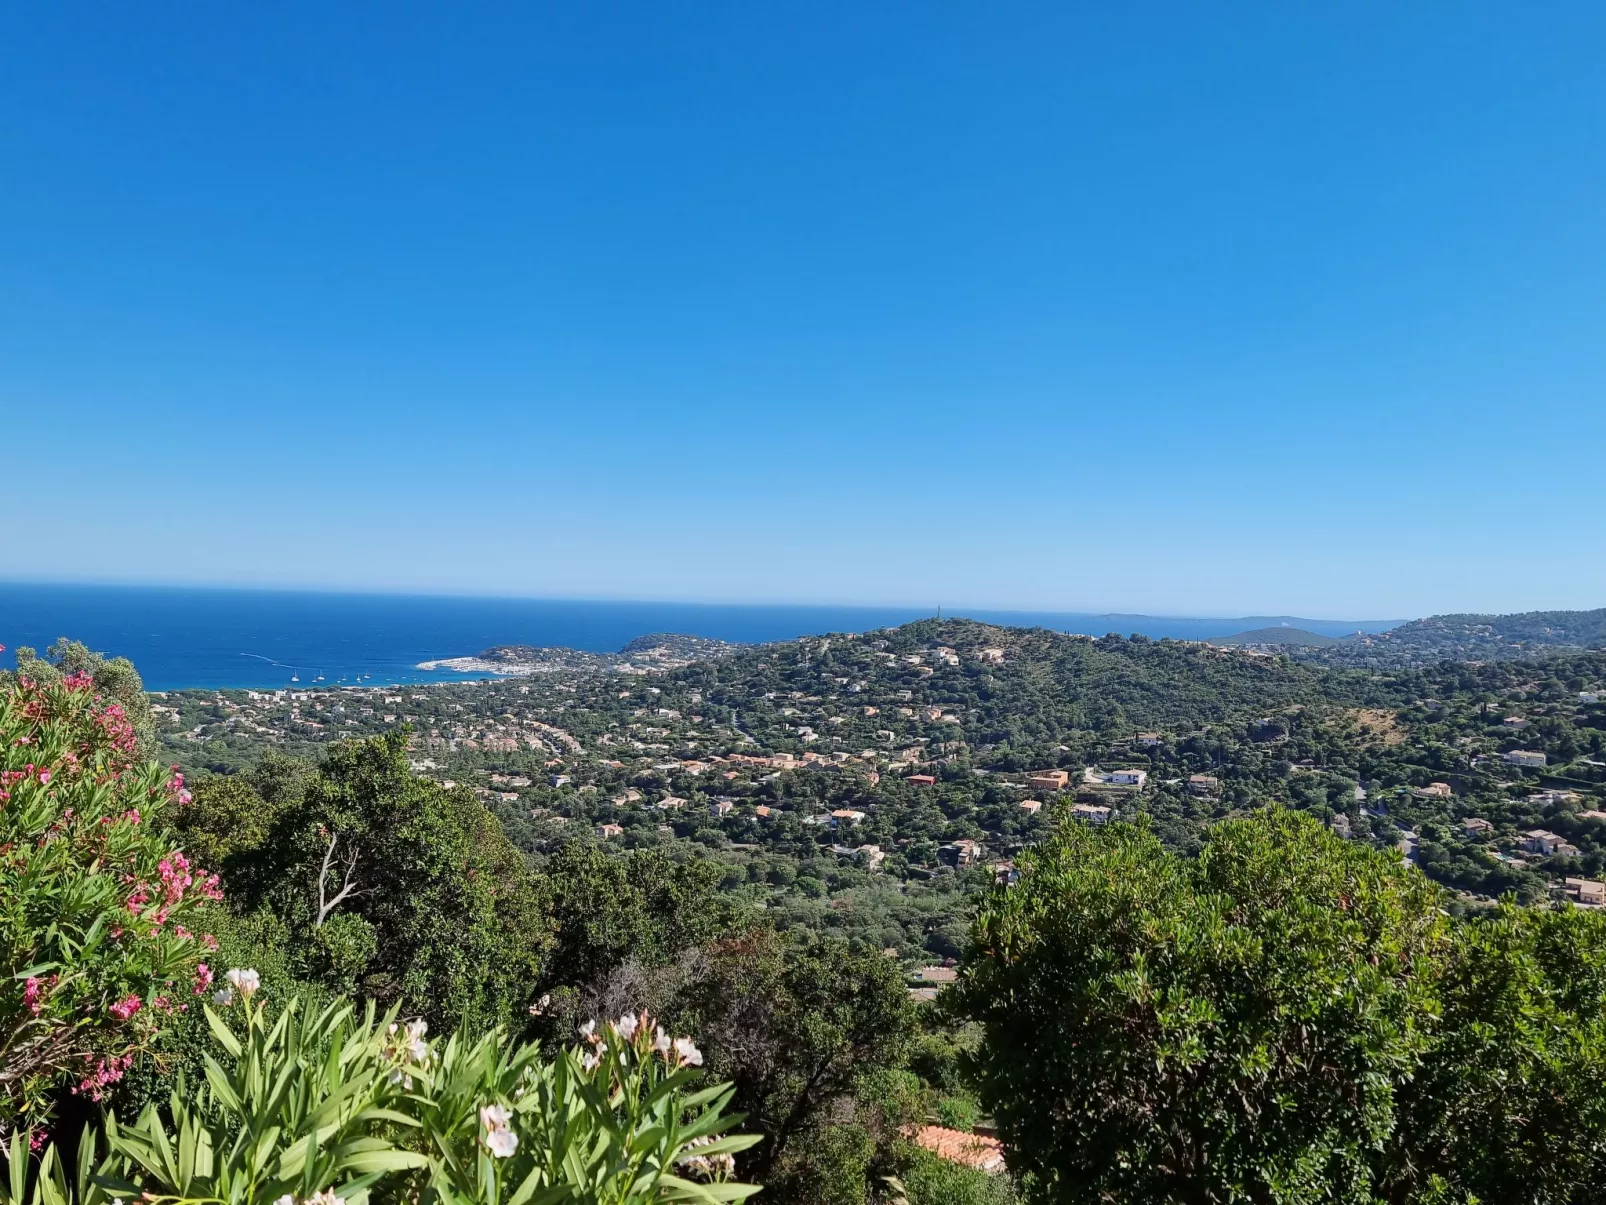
point(185, 637)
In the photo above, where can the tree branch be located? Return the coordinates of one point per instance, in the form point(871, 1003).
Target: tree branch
point(325, 905)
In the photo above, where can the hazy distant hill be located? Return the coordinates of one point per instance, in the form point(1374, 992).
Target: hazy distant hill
point(1265, 637)
point(1521, 637)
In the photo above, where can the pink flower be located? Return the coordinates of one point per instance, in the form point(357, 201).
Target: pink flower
point(208, 942)
point(30, 996)
point(203, 979)
point(44, 776)
point(126, 1007)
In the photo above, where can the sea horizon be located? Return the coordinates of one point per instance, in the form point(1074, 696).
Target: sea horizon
point(221, 637)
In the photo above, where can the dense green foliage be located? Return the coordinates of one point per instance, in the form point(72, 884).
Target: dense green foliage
point(380, 882)
point(761, 846)
point(1285, 1018)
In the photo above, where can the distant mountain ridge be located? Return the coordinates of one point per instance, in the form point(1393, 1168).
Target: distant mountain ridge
point(1278, 636)
point(1524, 636)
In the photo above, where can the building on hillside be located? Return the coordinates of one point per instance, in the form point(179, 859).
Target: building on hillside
point(1048, 780)
point(1134, 779)
point(921, 780)
point(1203, 784)
point(1523, 757)
point(1543, 841)
point(1475, 826)
point(1031, 805)
point(609, 831)
point(1092, 813)
point(963, 852)
point(991, 656)
point(1544, 798)
point(1434, 790)
point(1148, 740)
point(1589, 893)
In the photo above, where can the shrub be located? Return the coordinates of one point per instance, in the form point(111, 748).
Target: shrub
point(98, 911)
point(1228, 1028)
point(330, 1109)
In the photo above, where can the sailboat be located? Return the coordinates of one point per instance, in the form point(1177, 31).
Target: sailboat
point(294, 678)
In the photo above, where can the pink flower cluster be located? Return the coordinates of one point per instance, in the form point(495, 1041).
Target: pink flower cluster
point(114, 723)
point(126, 1007)
point(78, 680)
point(30, 996)
point(106, 1073)
point(175, 789)
point(203, 979)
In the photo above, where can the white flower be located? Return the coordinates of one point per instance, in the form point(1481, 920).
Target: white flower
point(246, 982)
point(594, 1060)
point(417, 1049)
point(626, 1025)
point(327, 1196)
point(660, 1040)
point(688, 1053)
point(499, 1140)
point(539, 1006)
point(287, 1199)
point(588, 1030)
point(501, 1143)
point(224, 997)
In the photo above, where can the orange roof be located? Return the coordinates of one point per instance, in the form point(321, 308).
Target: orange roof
point(972, 1150)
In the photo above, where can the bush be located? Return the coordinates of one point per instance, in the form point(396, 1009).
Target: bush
point(99, 911)
point(1227, 1028)
point(331, 1108)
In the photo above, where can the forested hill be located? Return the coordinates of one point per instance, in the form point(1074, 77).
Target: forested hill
point(1025, 688)
point(1521, 637)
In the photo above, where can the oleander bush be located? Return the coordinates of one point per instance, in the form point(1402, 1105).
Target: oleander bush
point(102, 917)
point(337, 1108)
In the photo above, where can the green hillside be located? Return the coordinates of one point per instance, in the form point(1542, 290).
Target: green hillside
point(1293, 637)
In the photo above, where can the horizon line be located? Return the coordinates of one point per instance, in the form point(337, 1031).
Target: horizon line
point(491, 595)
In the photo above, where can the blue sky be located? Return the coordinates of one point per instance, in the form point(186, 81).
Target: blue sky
point(1256, 308)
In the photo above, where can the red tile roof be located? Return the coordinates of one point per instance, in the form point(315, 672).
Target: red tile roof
point(972, 1150)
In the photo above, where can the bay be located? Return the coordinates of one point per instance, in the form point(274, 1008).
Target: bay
point(188, 637)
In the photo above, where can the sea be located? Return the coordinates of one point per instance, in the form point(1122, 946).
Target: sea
point(182, 637)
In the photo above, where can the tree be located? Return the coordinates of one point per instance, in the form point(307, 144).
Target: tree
point(640, 906)
point(1511, 1102)
point(383, 882)
point(797, 1028)
point(1228, 1028)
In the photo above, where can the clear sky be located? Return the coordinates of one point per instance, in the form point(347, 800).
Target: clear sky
point(1177, 308)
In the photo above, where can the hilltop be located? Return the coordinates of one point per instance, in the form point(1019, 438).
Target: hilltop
point(1270, 637)
point(1526, 636)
